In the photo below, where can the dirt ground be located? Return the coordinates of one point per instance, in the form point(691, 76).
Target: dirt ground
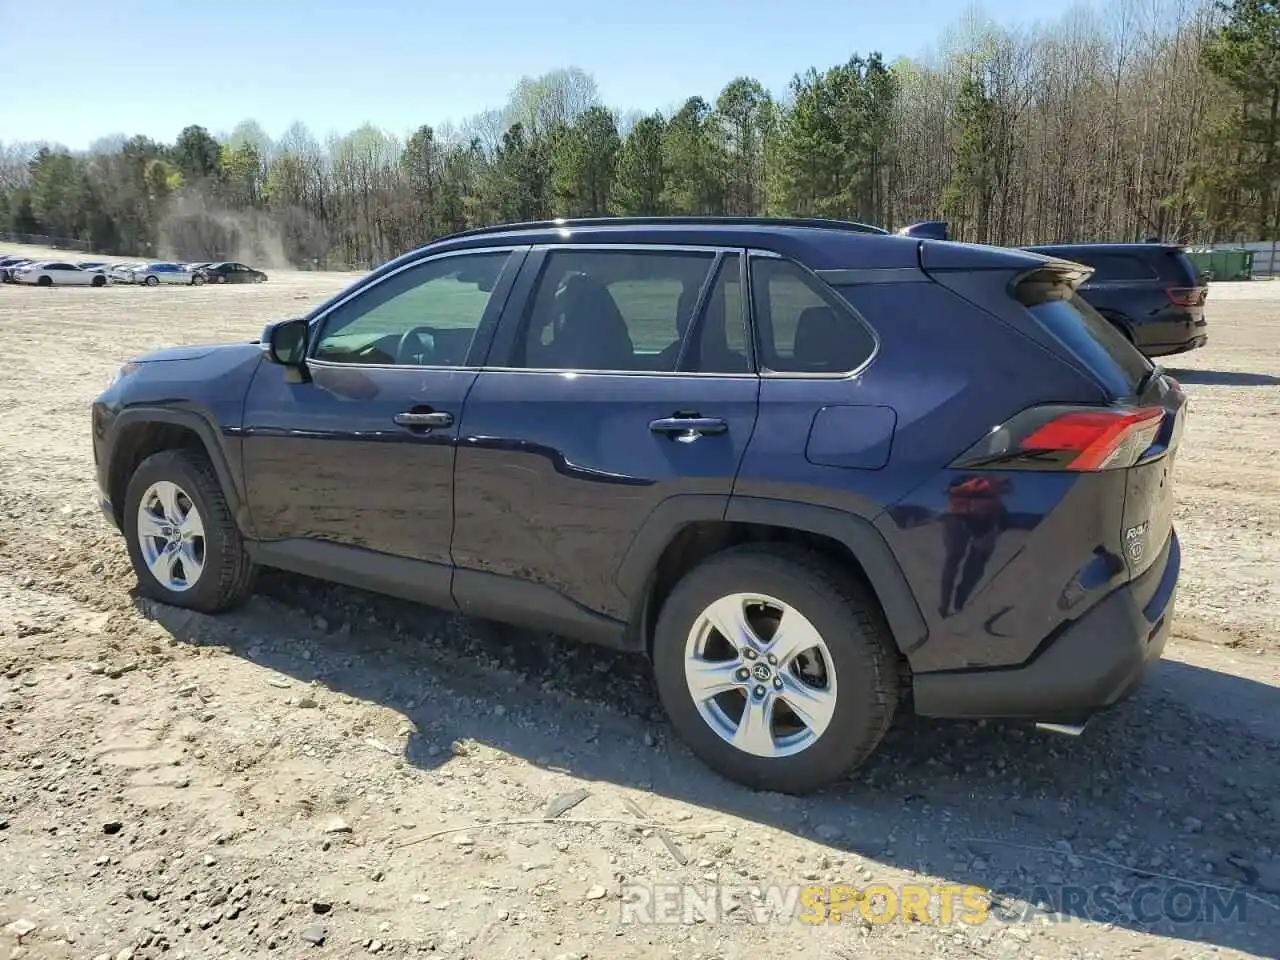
point(178, 785)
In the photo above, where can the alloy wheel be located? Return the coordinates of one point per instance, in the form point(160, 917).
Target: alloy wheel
point(171, 535)
point(760, 675)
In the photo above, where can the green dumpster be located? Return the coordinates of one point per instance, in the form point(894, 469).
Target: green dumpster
point(1223, 264)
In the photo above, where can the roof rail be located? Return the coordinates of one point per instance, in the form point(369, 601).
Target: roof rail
point(815, 222)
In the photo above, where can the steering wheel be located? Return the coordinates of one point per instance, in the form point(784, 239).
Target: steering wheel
point(403, 356)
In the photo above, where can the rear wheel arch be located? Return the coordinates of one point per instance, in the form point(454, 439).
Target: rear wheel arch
point(685, 530)
point(1120, 322)
point(139, 433)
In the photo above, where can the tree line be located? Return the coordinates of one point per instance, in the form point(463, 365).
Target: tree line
point(1152, 118)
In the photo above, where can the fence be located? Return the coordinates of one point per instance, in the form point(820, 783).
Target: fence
point(41, 240)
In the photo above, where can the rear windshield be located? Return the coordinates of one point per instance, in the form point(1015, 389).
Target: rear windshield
point(1104, 350)
point(1181, 270)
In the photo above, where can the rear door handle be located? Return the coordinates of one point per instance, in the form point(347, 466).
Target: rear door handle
point(424, 421)
point(688, 429)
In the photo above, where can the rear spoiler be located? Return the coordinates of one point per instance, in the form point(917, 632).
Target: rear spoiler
point(1047, 281)
point(926, 230)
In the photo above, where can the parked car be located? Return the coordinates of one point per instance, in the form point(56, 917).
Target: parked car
point(55, 273)
point(154, 274)
point(99, 265)
point(793, 502)
point(8, 265)
point(123, 272)
point(231, 272)
point(1151, 292)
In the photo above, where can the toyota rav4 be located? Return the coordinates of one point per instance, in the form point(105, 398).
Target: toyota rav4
point(815, 473)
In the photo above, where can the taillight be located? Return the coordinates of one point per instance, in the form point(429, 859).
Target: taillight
point(1187, 296)
point(1060, 437)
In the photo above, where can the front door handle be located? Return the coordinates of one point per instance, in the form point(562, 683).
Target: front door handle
point(688, 429)
point(424, 421)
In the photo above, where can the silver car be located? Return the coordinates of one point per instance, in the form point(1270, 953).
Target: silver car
point(154, 274)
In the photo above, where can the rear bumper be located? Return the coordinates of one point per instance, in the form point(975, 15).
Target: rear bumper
point(1173, 332)
point(1089, 664)
point(1169, 349)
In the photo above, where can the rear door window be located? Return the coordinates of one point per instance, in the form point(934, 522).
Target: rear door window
point(1109, 267)
point(613, 310)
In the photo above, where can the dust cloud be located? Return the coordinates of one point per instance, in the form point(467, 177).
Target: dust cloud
point(196, 230)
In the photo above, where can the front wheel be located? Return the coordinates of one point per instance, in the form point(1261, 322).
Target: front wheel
point(45, 281)
point(776, 667)
point(197, 280)
point(183, 541)
point(99, 281)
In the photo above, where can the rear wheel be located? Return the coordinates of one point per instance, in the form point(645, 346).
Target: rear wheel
point(45, 281)
point(776, 667)
point(197, 280)
point(99, 281)
point(152, 281)
point(185, 547)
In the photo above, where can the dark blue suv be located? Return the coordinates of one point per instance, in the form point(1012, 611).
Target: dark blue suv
point(815, 472)
point(1151, 292)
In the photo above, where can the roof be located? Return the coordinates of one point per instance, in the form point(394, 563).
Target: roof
point(821, 244)
point(1105, 247)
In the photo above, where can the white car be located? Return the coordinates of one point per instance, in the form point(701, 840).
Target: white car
point(154, 274)
point(124, 272)
point(55, 273)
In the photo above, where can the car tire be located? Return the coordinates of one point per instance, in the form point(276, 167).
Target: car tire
point(855, 659)
point(197, 280)
point(45, 281)
point(98, 282)
point(152, 281)
point(169, 486)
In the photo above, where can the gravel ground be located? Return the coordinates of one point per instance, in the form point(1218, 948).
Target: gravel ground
point(173, 784)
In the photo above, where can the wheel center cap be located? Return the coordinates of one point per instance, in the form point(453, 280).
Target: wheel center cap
point(761, 671)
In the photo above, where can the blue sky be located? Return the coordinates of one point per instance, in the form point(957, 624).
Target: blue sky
point(147, 66)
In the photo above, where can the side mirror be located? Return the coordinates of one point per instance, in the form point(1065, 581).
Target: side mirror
point(285, 342)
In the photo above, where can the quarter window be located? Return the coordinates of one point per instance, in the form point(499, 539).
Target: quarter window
point(803, 328)
point(426, 315)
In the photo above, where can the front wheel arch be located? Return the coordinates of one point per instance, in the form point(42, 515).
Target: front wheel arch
point(225, 572)
point(139, 432)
